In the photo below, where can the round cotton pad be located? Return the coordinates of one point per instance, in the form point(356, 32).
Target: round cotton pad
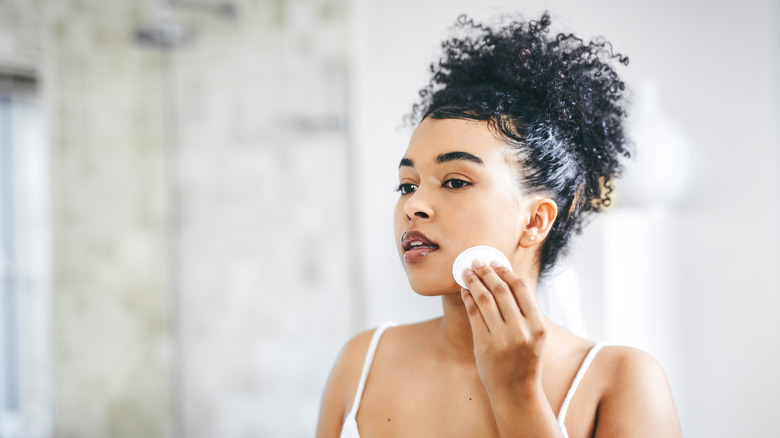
point(485, 253)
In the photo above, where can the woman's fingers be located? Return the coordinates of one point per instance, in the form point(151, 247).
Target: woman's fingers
point(502, 294)
point(523, 295)
point(482, 296)
point(477, 321)
point(497, 287)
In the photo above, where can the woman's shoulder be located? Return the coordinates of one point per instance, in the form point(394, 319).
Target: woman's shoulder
point(349, 364)
point(354, 350)
point(624, 359)
point(613, 366)
point(627, 368)
point(392, 336)
point(635, 387)
point(342, 384)
point(353, 354)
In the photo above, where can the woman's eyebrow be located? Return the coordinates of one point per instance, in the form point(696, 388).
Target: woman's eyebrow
point(458, 155)
point(443, 158)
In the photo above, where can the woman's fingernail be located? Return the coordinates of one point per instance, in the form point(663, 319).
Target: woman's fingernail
point(468, 272)
point(477, 263)
point(495, 264)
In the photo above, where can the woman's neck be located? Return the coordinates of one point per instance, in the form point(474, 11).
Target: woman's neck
point(455, 327)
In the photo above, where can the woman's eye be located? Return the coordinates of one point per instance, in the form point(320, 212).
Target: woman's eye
point(455, 183)
point(406, 188)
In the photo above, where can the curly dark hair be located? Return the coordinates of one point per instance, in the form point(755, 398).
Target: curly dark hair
point(557, 102)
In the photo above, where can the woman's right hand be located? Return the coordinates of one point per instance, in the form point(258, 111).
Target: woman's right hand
point(509, 339)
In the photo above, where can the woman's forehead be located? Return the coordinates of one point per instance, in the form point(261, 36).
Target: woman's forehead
point(435, 137)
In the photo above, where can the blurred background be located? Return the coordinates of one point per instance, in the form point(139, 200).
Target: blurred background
point(196, 206)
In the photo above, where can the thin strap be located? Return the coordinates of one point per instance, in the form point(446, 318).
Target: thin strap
point(367, 366)
point(580, 373)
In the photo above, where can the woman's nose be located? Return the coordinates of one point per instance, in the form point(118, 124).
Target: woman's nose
point(418, 206)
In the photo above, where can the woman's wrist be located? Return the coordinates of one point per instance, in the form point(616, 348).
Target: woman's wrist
point(523, 410)
point(520, 394)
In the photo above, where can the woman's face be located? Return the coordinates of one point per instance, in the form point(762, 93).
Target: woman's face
point(456, 191)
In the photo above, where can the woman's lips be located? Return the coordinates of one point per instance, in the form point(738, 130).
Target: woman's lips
point(417, 245)
point(417, 253)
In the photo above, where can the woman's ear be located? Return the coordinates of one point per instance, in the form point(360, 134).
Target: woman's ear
point(543, 212)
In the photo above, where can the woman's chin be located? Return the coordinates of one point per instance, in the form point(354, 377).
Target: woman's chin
point(434, 288)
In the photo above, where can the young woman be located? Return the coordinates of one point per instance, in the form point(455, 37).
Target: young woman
point(519, 139)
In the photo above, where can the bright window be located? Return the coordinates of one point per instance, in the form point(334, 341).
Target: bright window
point(25, 267)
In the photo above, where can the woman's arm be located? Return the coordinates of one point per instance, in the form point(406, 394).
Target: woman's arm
point(341, 386)
point(638, 401)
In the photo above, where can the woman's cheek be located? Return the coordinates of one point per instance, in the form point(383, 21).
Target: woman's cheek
point(489, 225)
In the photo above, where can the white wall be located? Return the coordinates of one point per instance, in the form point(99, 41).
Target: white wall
point(703, 295)
point(200, 207)
point(263, 239)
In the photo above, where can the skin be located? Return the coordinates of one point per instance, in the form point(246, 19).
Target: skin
point(493, 365)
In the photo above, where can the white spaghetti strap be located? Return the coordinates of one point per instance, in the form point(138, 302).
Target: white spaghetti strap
point(367, 366)
point(580, 373)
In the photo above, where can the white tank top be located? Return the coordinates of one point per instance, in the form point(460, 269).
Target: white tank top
point(350, 427)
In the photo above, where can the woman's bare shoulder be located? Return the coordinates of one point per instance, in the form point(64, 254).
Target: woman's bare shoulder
point(342, 384)
point(349, 364)
point(636, 399)
point(354, 351)
point(627, 363)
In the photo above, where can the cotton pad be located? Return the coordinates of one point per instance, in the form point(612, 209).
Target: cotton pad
point(485, 253)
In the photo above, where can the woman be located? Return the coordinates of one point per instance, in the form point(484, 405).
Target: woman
point(520, 138)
